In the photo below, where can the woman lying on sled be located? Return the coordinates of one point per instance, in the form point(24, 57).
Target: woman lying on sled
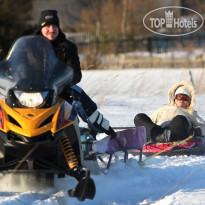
point(175, 121)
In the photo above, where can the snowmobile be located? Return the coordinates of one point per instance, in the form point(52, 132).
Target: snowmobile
point(39, 132)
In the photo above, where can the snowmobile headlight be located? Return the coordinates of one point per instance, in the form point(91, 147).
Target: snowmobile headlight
point(31, 99)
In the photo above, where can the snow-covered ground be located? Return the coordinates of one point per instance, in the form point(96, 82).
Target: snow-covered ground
point(120, 95)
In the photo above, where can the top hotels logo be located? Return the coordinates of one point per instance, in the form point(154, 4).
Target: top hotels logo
point(167, 21)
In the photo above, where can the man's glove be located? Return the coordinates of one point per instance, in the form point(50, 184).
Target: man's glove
point(111, 132)
point(197, 132)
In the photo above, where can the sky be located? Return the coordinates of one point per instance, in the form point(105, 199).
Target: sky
point(120, 95)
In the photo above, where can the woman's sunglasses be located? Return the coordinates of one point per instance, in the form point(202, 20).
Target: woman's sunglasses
point(182, 97)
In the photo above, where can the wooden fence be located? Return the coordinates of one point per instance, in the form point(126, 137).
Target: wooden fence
point(119, 50)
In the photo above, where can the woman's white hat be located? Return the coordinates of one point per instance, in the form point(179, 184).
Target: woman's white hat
point(182, 90)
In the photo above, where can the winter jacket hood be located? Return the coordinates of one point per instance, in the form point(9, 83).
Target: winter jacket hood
point(172, 90)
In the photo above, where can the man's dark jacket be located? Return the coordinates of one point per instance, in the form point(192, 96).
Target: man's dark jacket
point(67, 52)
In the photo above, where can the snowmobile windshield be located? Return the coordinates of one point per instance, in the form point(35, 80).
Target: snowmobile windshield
point(32, 65)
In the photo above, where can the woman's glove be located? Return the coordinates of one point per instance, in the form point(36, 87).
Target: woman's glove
point(197, 132)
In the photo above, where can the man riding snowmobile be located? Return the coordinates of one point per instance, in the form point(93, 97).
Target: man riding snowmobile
point(49, 27)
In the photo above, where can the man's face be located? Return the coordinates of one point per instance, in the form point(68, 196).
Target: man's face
point(50, 32)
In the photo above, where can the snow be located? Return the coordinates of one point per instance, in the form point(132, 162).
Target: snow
point(120, 95)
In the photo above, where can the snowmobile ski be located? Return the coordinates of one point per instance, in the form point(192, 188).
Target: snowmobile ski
point(85, 189)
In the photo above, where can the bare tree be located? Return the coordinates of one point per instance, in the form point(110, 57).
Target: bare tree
point(121, 16)
point(124, 16)
point(13, 18)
